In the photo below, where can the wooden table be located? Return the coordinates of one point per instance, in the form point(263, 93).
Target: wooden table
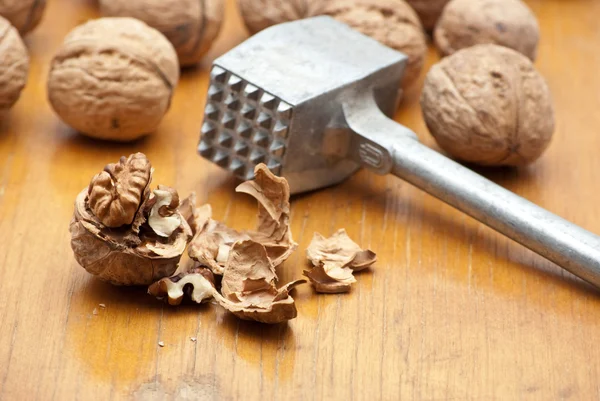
point(452, 310)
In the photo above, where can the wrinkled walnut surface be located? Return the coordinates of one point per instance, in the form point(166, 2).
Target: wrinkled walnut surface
point(190, 25)
point(429, 11)
point(14, 65)
point(488, 105)
point(113, 78)
point(334, 260)
point(391, 22)
point(261, 14)
point(24, 15)
point(131, 253)
point(509, 23)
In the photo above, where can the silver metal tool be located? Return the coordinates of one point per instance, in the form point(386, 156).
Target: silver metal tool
point(312, 100)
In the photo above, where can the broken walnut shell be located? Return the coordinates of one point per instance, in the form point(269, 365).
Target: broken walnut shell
point(24, 15)
point(334, 260)
point(508, 23)
point(190, 25)
point(488, 105)
point(132, 253)
point(14, 66)
point(113, 79)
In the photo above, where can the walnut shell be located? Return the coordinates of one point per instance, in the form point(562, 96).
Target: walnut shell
point(113, 78)
point(14, 65)
point(429, 11)
point(488, 105)
point(392, 22)
point(261, 14)
point(190, 25)
point(24, 15)
point(508, 23)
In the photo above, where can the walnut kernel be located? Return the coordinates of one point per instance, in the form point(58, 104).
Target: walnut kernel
point(488, 105)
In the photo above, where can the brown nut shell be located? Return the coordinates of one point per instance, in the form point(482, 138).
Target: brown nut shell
point(14, 65)
point(113, 78)
point(261, 14)
point(190, 25)
point(107, 253)
point(509, 23)
point(429, 11)
point(488, 105)
point(24, 15)
point(391, 22)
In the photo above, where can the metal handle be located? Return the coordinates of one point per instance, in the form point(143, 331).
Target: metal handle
point(386, 146)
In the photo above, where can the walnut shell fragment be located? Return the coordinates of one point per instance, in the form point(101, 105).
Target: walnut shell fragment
point(113, 79)
point(488, 105)
point(248, 287)
point(127, 251)
point(334, 260)
point(24, 15)
point(190, 25)
point(509, 23)
point(198, 284)
point(213, 241)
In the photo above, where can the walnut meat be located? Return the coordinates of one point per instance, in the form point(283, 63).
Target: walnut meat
point(391, 22)
point(429, 11)
point(261, 14)
point(507, 23)
point(488, 105)
point(190, 25)
point(113, 78)
point(14, 66)
point(24, 15)
point(111, 235)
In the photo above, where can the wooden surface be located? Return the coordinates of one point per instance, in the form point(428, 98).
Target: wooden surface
point(452, 311)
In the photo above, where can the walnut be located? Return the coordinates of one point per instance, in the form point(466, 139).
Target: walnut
point(190, 25)
point(392, 22)
point(261, 14)
point(213, 241)
point(507, 23)
point(334, 260)
point(24, 15)
point(14, 66)
point(488, 105)
point(429, 11)
point(113, 78)
point(110, 232)
point(248, 287)
point(198, 284)
point(163, 218)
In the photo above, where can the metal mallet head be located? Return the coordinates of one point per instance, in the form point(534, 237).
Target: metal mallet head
point(277, 99)
point(311, 100)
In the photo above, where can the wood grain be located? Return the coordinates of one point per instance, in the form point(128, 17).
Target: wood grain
point(452, 310)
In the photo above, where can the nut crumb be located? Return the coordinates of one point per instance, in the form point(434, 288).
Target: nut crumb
point(95, 311)
point(102, 305)
point(193, 339)
point(161, 344)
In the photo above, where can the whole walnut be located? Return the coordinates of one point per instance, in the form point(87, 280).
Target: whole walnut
point(190, 25)
point(508, 23)
point(124, 233)
point(261, 14)
point(429, 11)
point(488, 105)
point(14, 66)
point(392, 22)
point(24, 15)
point(113, 78)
